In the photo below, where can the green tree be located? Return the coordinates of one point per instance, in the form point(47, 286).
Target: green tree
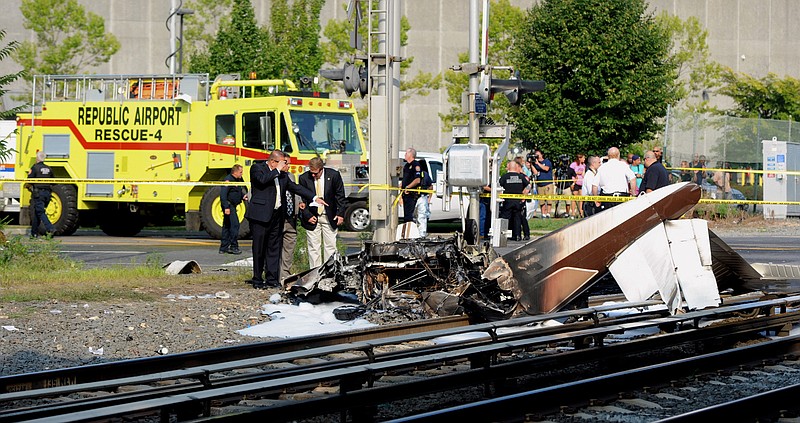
point(337, 50)
point(294, 38)
point(689, 53)
point(5, 80)
point(200, 30)
point(239, 45)
point(287, 48)
point(69, 39)
point(505, 20)
point(768, 98)
point(608, 75)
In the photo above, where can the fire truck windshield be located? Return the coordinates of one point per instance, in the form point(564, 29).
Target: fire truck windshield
point(320, 132)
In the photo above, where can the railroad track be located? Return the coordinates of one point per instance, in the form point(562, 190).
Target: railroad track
point(356, 378)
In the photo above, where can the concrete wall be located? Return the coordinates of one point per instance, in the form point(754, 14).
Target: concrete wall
point(752, 36)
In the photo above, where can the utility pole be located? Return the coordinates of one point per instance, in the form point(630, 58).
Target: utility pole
point(384, 115)
point(173, 12)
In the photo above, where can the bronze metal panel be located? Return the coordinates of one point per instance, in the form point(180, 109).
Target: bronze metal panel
point(588, 246)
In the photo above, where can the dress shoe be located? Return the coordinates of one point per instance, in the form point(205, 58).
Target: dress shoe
point(527, 238)
point(235, 251)
point(254, 281)
point(266, 285)
point(223, 251)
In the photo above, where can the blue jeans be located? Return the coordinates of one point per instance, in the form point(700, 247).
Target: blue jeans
point(40, 201)
point(423, 213)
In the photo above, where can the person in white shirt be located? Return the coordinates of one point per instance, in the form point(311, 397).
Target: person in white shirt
point(614, 178)
point(592, 163)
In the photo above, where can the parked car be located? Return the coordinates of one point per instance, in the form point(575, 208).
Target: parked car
point(435, 165)
point(712, 191)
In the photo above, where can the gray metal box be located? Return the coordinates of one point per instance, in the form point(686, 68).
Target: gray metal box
point(781, 157)
point(467, 165)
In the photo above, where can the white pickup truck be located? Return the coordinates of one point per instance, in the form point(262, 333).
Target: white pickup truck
point(435, 165)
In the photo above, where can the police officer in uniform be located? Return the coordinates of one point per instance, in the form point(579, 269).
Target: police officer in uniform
point(230, 196)
point(513, 182)
point(411, 179)
point(41, 196)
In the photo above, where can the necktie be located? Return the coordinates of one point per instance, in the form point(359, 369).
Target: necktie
point(318, 186)
point(278, 202)
point(289, 203)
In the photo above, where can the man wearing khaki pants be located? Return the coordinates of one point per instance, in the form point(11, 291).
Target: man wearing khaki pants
point(328, 184)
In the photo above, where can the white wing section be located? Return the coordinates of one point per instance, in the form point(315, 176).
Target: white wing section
point(673, 259)
point(646, 267)
point(691, 252)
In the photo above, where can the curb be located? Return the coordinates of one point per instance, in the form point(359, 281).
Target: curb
point(15, 230)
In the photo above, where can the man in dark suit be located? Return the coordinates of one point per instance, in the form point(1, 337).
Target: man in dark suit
point(289, 226)
point(326, 183)
point(266, 214)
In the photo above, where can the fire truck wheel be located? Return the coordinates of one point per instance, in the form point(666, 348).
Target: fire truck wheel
point(63, 210)
point(211, 215)
point(356, 218)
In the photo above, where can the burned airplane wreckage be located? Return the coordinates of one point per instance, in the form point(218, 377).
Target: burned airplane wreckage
point(643, 243)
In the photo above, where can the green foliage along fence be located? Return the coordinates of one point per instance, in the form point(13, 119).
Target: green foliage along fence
point(725, 141)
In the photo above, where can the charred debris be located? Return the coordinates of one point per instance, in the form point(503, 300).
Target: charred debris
point(420, 278)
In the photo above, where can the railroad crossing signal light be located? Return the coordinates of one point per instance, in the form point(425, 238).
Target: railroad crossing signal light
point(512, 88)
point(355, 78)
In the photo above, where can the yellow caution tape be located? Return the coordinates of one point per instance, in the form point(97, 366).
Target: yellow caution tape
point(362, 187)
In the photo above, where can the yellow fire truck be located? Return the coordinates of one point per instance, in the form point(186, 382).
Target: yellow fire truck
point(133, 150)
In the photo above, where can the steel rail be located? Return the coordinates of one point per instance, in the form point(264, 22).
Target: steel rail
point(53, 379)
point(486, 372)
point(138, 366)
point(550, 398)
point(356, 375)
point(201, 373)
point(756, 407)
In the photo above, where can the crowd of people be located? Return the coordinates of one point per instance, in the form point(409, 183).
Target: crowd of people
point(277, 202)
point(610, 176)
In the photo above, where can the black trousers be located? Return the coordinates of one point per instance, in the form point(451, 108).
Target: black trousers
point(267, 246)
point(511, 211)
point(409, 205)
point(230, 230)
point(609, 204)
point(39, 203)
point(523, 219)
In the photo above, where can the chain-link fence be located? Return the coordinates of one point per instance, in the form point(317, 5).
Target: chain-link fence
point(724, 142)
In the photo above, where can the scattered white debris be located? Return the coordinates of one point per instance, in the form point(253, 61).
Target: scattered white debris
point(163, 350)
point(220, 294)
point(182, 267)
point(55, 311)
point(10, 328)
point(290, 321)
point(275, 298)
point(98, 351)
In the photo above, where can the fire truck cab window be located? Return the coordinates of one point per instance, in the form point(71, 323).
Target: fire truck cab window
point(321, 132)
point(285, 140)
point(225, 129)
point(258, 130)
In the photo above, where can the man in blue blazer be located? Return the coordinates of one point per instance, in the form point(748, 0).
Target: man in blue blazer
point(326, 183)
point(266, 214)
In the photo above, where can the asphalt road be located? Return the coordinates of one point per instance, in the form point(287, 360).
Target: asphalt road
point(163, 246)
